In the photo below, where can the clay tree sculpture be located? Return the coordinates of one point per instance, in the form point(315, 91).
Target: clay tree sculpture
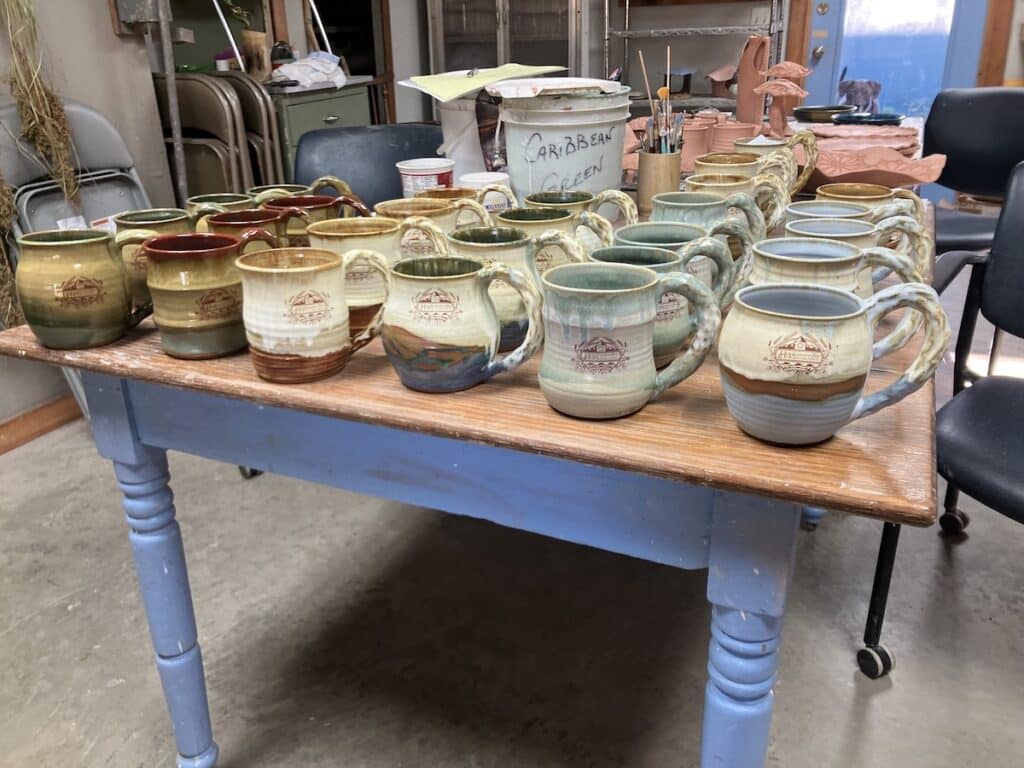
point(779, 90)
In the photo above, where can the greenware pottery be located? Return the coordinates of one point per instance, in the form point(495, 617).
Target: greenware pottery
point(74, 288)
point(599, 333)
point(441, 331)
point(197, 292)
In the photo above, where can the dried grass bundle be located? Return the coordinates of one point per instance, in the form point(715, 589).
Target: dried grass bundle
point(43, 120)
point(10, 309)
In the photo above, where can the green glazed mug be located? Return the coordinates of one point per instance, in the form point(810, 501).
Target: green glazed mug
point(74, 288)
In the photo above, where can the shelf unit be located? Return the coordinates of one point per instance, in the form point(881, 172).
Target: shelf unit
point(774, 29)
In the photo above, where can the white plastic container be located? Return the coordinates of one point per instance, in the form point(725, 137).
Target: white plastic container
point(563, 133)
point(493, 201)
point(461, 135)
point(425, 173)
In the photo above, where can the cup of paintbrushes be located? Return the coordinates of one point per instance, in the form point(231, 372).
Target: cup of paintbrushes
point(657, 172)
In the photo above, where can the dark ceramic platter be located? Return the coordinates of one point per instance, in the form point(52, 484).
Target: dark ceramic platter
point(821, 113)
point(866, 118)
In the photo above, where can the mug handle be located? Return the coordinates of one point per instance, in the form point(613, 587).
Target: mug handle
point(709, 318)
point(755, 219)
point(807, 140)
point(775, 194)
point(734, 226)
point(478, 210)
point(920, 244)
point(121, 240)
point(905, 194)
point(785, 163)
point(284, 217)
point(376, 262)
point(353, 202)
point(271, 194)
point(501, 189)
point(531, 298)
point(434, 233)
point(900, 263)
point(340, 186)
point(620, 200)
point(203, 212)
point(256, 234)
point(598, 224)
point(566, 243)
point(888, 210)
point(936, 338)
point(724, 286)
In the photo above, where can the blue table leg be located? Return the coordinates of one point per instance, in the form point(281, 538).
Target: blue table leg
point(811, 516)
point(160, 566)
point(750, 560)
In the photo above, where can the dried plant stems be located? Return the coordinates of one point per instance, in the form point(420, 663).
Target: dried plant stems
point(44, 122)
point(10, 309)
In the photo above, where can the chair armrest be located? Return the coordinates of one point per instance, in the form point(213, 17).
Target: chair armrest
point(949, 265)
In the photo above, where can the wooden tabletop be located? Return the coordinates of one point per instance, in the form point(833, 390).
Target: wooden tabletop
point(881, 466)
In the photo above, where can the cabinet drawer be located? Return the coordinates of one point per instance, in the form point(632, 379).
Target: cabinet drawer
point(343, 109)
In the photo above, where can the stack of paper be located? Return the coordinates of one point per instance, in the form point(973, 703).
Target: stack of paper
point(452, 85)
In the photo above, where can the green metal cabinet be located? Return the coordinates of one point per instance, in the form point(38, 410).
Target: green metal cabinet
point(310, 110)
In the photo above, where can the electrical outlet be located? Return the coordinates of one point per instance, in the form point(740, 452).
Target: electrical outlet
point(760, 17)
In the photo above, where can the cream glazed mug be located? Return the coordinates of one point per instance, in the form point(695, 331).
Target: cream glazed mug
point(914, 240)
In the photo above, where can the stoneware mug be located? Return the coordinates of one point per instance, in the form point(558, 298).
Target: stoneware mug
point(215, 202)
point(440, 328)
point(317, 208)
point(765, 145)
point(506, 245)
point(874, 196)
point(578, 201)
point(750, 164)
point(266, 192)
point(768, 191)
point(706, 209)
point(197, 291)
point(599, 333)
point(915, 241)
point(296, 315)
point(836, 264)
point(841, 209)
point(536, 221)
point(479, 194)
point(794, 359)
point(446, 214)
point(275, 222)
point(74, 288)
point(673, 323)
point(365, 289)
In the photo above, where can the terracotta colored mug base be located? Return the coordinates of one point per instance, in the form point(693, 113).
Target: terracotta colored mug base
point(205, 344)
point(297, 369)
point(359, 318)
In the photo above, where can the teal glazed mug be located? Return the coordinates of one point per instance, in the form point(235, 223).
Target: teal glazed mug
point(441, 331)
point(706, 209)
point(794, 359)
point(673, 323)
point(599, 334)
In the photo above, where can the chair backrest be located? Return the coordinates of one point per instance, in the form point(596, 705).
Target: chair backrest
point(1002, 293)
point(978, 130)
point(365, 157)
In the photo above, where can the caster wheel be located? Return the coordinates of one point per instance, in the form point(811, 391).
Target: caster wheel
point(953, 522)
point(875, 662)
point(248, 473)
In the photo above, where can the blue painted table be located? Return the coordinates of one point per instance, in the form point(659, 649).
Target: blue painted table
point(677, 484)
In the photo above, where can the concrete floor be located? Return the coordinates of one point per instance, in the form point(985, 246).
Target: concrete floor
point(345, 630)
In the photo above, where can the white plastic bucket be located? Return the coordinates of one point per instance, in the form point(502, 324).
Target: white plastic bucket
point(493, 201)
point(461, 135)
point(563, 141)
point(425, 173)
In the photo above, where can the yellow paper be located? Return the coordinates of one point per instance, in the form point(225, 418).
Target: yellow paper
point(448, 86)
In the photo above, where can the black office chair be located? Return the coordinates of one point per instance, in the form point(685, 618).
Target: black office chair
point(365, 157)
point(980, 432)
point(977, 130)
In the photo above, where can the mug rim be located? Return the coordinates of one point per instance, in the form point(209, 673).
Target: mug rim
point(300, 201)
point(179, 213)
point(704, 159)
point(429, 206)
point(590, 266)
point(78, 236)
point(671, 257)
point(330, 261)
point(663, 197)
point(519, 235)
point(447, 193)
point(579, 197)
point(734, 178)
point(216, 244)
point(855, 252)
point(298, 188)
point(556, 214)
point(871, 229)
point(641, 225)
point(830, 201)
point(742, 293)
point(824, 190)
point(315, 228)
point(214, 197)
point(452, 260)
point(225, 217)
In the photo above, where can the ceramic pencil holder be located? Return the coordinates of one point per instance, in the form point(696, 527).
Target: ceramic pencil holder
point(657, 173)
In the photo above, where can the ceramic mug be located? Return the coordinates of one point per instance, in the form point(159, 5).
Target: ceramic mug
point(599, 333)
point(266, 192)
point(365, 290)
point(833, 209)
point(197, 292)
point(673, 324)
point(874, 196)
point(918, 243)
point(296, 314)
point(275, 222)
point(709, 262)
point(794, 359)
point(532, 255)
point(578, 201)
point(217, 202)
point(74, 288)
point(536, 221)
point(479, 194)
point(441, 330)
point(446, 214)
point(765, 145)
point(317, 208)
point(768, 191)
point(707, 209)
point(749, 164)
point(836, 264)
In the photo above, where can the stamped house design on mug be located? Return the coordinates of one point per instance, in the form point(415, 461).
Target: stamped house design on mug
point(436, 305)
point(600, 356)
point(800, 353)
point(309, 307)
point(78, 291)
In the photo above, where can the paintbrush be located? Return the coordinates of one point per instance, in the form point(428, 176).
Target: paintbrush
point(647, 83)
point(666, 110)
